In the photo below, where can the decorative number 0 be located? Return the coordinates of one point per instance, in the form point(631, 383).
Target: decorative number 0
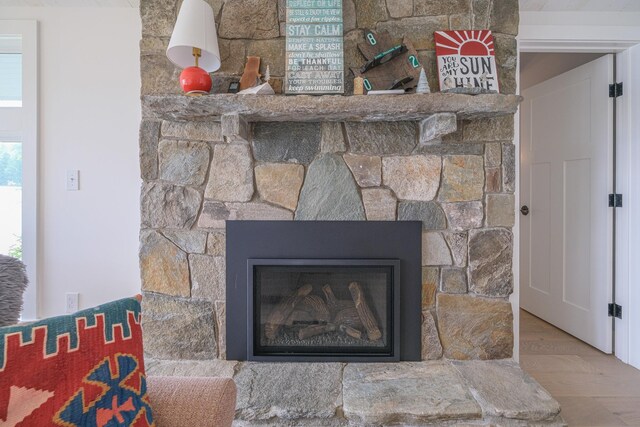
point(372, 40)
point(367, 84)
point(414, 61)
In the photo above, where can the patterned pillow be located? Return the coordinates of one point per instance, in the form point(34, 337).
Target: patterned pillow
point(84, 369)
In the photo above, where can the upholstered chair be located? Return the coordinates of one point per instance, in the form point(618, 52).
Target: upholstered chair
point(13, 282)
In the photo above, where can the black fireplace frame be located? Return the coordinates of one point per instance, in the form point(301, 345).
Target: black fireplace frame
point(393, 349)
point(324, 240)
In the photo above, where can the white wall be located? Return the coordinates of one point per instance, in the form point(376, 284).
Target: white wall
point(537, 67)
point(89, 106)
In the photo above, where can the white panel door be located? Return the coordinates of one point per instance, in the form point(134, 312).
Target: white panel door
point(566, 176)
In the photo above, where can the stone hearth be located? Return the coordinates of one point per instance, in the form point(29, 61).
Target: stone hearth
point(408, 393)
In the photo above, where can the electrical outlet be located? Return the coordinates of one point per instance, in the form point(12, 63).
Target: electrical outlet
point(73, 180)
point(72, 302)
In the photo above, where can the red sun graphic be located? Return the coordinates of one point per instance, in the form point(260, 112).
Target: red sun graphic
point(465, 43)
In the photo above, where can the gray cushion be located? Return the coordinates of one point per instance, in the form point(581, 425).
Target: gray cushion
point(13, 282)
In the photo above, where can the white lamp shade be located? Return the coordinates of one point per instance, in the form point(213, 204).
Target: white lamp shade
point(195, 27)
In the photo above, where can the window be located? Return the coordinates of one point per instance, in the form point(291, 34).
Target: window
point(10, 71)
point(19, 150)
point(11, 198)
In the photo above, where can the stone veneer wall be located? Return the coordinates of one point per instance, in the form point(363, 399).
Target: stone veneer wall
point(461, 186)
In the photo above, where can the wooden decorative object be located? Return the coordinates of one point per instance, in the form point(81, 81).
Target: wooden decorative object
point(358, 86)
point(281, 313)
point(314, 55)
point(383, 41)
point(366, 316)
point(385, 75)
point(251, 74)
point(466, 61)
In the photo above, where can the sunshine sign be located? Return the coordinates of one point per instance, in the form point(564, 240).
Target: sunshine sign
point(466, 59)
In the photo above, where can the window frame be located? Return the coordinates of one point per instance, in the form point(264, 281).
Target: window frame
point(21, 124)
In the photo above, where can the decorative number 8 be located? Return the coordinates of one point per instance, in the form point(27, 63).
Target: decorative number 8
point(414, 61)
point(367, 84)
point(372, 39)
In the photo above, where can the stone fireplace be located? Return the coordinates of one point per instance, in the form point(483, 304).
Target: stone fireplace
point(446, 161)
point(440, 165)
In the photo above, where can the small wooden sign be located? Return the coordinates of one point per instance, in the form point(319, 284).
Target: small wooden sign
point(466, 59)
point(315, 54)
point(382, 77)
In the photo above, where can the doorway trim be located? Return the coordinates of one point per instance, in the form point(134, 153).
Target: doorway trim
point(624, 41)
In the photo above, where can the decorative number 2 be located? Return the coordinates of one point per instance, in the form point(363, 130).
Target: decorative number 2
point(372, 39)
point(367, 84)
point(414, 61)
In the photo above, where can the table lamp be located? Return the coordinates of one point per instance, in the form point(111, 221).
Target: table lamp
point(194, 46)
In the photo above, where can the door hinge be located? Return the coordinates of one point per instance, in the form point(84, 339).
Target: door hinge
point(615, 200)
point(615, 310)
point(615, 90)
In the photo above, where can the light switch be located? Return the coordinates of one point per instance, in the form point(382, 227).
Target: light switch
point(73, 180)
point(71, 302)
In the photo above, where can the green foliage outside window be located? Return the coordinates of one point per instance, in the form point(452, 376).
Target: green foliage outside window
point(16, 249)
point(11, 164)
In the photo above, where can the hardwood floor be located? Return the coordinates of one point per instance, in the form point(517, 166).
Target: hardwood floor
point(593, 388)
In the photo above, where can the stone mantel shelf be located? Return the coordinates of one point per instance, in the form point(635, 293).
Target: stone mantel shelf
point(305, 108)
point(438, 113)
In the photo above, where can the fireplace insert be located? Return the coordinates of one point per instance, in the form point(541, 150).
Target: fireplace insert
point(346, 291)
point(311, 307)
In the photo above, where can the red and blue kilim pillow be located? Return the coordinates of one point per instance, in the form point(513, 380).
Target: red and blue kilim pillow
point(84, 369)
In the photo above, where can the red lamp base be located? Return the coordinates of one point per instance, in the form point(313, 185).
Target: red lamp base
point(195, 80)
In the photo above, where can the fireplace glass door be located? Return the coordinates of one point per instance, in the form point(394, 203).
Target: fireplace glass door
point(322, 308)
